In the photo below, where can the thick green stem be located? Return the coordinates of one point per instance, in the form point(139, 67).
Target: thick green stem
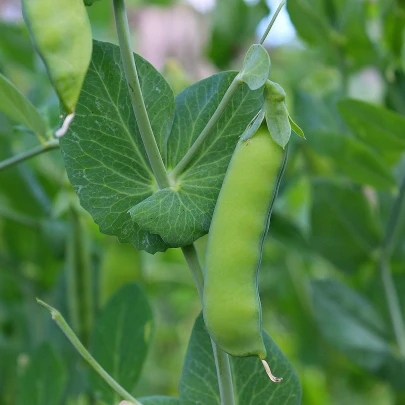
point(272, 21)
point(390, 291)
point(60, 321)
point(208, 128)
point(159, 170)
point(134, 87)
point(54, 144)
point(222, 364)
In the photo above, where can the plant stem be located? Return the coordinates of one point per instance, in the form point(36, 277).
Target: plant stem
point(159, 170)
point(134, 87)
point(222, 364)
point(194, 264)
point(60, 321)
point(391, 294)
point(79, 276)
point(54, 144)
point(208, 128)
point(219, 111)
point(272, 21)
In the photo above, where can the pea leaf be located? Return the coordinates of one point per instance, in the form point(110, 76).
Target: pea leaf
point(120, 340)
point(199, 384)
point(108, 167)
point(159, 400)
point(350, 322)
point(310, 21)
point(355, 159)
point(19, 109)
point(44, 379)
point(356, 232)
point(256, 67)
point(103, 152)
point(181, 214)
point(380, 128)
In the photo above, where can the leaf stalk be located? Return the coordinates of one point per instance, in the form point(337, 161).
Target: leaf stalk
point(135, 91)
point(66, 329)
point(37, 150)
point(207, 129)
point(272, 21)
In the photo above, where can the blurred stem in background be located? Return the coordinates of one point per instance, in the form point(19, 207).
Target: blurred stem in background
point(391, 294)
point(79, 278)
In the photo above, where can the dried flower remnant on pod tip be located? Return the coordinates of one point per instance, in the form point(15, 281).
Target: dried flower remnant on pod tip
point(269, 373)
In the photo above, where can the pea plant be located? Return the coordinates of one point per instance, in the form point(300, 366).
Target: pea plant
point(149, 167)
point(159, 172)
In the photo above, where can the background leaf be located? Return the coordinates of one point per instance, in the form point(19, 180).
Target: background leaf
point(354, 158)
point(380, 128)
point(18, 108)
point(43, 381)
point(234, 23)
point(355, 230)
point(199, 384)
point(120, 340)
point(350, 323)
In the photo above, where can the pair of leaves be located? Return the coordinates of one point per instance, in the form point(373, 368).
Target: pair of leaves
point(107, 163)
point(198, 384)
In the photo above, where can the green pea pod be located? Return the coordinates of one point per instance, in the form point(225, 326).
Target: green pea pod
point(232, 310)
point(61, 33)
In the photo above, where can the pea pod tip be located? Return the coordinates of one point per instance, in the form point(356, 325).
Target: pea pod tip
point(65, 126)
point(269, 373)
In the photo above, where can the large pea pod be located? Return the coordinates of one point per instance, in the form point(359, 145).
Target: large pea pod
point(232, 310)
point(61, 33)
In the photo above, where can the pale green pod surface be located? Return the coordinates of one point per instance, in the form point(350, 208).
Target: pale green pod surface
point(61, 32)
point(232, 310)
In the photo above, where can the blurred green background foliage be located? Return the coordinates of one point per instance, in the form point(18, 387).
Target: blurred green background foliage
point(325, 303)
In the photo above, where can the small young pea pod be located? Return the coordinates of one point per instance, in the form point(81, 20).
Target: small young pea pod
point(231, 304)
point(61, 33)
